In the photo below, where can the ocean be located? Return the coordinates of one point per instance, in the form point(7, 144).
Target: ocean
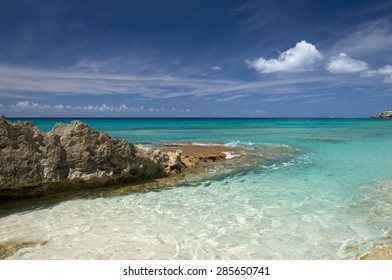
point(324, 192)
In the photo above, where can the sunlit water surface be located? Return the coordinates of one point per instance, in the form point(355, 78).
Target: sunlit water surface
point(324, 193)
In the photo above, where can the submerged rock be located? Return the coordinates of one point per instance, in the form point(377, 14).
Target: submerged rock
point(198, 154)
point(378, 252)
point(9, 248)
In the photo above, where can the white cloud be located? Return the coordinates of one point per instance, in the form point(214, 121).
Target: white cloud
point(386, 70)
point(301, 58)
point(343, 64)
point(32, 106)
point(58, 107)
point(1, 106)
point(216, 68)
point(27, 105)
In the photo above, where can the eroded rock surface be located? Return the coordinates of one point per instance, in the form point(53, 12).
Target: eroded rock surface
point(72, 156)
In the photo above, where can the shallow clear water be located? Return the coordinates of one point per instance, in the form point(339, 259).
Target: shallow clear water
point(328, 186)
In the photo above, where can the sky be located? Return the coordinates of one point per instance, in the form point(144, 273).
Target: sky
point(195, 58)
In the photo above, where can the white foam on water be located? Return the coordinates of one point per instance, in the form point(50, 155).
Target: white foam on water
point(230, 155)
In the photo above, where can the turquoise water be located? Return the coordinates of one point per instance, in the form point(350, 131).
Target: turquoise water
point(326, 187)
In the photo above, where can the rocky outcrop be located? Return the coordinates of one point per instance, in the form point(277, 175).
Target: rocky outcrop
point(34, 163)
point(383, 115)
point(74, 156)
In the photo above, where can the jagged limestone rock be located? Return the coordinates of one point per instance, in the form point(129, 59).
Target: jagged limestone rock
point(72, 156)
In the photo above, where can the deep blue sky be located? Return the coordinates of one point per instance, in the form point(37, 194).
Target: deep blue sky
point(195, 58)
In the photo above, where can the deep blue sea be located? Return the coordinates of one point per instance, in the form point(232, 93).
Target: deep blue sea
point(324, 193)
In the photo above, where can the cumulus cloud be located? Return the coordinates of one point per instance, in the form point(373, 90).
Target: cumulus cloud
point(216, 68)
point(33, 106)
point(301, 58)
point(27, 105)
point(386, 70)
point(343, 64)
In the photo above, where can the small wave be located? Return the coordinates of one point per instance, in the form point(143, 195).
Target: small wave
point(230, 155)
point(299, 159)
point(239, 144)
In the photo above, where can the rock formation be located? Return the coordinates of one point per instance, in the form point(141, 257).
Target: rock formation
point(383, 115)
point(34, 163)
point(74, 156)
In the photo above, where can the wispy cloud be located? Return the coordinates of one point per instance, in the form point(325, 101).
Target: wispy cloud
point(372, 38)
point(216, 68)
point(22, 83)
point(230, 98)
point(301, 58)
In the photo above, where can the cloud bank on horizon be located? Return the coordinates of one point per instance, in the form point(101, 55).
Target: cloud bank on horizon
point(139, 58)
